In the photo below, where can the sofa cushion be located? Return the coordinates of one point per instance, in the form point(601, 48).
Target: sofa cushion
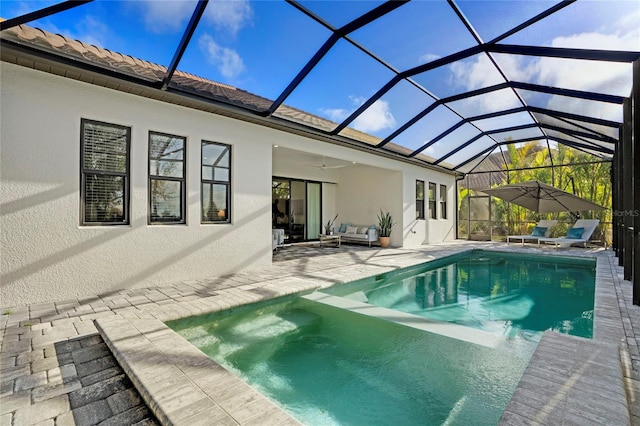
point(343, 227)
point(362, 230)
point(354, 236)
point(352, 230)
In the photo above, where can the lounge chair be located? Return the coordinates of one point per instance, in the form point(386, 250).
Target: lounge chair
point(542, 229)
point(580, 232)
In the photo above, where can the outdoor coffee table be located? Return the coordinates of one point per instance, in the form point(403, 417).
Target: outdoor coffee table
point(332, 239)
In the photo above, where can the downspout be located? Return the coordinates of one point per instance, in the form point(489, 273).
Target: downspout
point(458, 179)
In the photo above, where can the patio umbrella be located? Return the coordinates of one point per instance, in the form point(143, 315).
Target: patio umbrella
point(541, 198)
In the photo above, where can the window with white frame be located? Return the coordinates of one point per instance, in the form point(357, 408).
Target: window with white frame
point(216, 183)
point(166, 178)
point(432, 200)
point(419, 199)
point(104, 165)
point(443, 201)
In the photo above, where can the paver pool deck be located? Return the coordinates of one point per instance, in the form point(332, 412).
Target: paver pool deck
point(109, 359)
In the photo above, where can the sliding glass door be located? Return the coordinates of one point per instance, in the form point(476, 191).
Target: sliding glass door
point(298, 211)
point(314, 210)
point(297, 208)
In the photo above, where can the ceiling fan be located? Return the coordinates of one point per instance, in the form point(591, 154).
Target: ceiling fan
point(324, 165)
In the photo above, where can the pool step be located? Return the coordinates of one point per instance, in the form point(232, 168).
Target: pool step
point(454, 331)
point(257, 339)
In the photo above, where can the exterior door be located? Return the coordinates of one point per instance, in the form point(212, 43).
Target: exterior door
point(480, 218)
point(314, 210)
point(297, 208)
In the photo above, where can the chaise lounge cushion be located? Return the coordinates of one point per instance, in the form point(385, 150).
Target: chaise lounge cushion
point(583, 227)
point(539, 231)
point(543, 224)
point(575, 233)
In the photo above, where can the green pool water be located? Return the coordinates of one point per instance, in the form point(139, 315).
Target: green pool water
point(332, 366)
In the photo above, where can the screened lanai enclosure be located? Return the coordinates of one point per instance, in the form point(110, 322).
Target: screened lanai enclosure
point(493, 91)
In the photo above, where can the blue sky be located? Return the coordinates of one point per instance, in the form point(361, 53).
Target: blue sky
point(260, 46)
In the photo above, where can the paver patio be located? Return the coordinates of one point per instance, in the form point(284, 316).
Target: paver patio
point(57, 369)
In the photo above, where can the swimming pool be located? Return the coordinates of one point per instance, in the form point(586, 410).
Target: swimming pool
point(514, 295)
point(340, 359)
point(330, 366)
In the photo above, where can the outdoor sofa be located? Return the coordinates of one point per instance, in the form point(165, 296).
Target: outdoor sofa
point(357, 233)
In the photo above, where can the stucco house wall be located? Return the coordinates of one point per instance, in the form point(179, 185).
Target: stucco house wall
point(364, 191)
point(46, 253)
point(417, 232)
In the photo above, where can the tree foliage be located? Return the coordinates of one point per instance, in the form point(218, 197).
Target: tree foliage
point(584, 177)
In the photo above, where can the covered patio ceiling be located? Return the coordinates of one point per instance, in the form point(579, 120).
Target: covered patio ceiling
point(443, 83)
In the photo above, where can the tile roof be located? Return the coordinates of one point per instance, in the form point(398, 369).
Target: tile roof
point(149, 71)
point(76, 50)
point(183, 82)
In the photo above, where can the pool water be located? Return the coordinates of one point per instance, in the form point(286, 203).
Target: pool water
point(514, 295)
point(329, 366)
point(443, 343)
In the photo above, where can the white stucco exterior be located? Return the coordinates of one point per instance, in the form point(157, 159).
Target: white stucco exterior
point(47, 255)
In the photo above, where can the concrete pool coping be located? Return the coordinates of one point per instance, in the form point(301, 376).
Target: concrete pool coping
point(33, 388)
point(180, 384)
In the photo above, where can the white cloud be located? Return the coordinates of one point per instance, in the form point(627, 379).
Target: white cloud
point(474, 74)
point(170, 16)
point(428, 57)
point(92, 31)
point(375, 118)
point(628, 24)
point(605, 77)
point(335, 114)
point(88, 30)
point(594, 76)
point(167, 16)
point(229, 15)
point(480, 73)
point(228, 61)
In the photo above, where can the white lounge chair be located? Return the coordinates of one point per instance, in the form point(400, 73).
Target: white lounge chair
point(533, 237)
point(574, 236)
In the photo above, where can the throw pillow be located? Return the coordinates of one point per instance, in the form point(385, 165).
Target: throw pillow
point(575, 233)
point(539, 231)
point(343, 227)
point(352, 229)
point(362, 230)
